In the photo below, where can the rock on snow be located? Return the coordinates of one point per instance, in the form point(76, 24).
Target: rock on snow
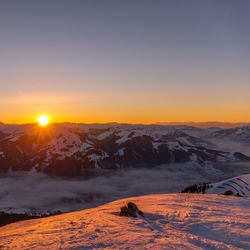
point(172, 221)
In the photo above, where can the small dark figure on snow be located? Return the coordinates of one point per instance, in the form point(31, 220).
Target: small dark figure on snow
point(131, 210)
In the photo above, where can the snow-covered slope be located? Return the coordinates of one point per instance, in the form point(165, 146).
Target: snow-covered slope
point(238, 134)
point(238, 185)
point(177, 221)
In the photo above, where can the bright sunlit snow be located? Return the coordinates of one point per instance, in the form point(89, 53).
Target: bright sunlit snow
point(177, 221)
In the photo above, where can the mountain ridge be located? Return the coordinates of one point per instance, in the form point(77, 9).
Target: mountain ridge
point(72, 149)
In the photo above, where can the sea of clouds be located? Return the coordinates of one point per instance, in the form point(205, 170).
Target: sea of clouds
point(32, 191)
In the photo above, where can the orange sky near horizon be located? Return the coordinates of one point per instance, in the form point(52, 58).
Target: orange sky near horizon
point(122, 111)
point(144, 104)
point(87, 62)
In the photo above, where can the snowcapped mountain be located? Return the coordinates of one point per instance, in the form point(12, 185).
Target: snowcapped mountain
point(108, 162)
point(176, 221)
point(72, 149)
point(241, 134)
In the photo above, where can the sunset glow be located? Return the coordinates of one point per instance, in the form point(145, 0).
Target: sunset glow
point(151, 96)
point(43, 120)
point(93, 64)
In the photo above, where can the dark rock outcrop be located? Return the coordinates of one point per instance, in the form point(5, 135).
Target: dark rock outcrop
point(131, 210)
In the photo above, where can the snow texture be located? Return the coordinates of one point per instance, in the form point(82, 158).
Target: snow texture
point(238, 185)
point(176, 221)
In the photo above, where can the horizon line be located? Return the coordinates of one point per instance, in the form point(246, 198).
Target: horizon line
point(127, 123)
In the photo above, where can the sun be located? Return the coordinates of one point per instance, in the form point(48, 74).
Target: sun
point(43, 120)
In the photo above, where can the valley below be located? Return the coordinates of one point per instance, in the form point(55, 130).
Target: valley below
point(69, 167)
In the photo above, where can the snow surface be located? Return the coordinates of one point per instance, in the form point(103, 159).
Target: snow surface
point(238, 185)
point(176, 221)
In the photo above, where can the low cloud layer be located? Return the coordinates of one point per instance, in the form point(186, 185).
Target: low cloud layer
point(21, 192)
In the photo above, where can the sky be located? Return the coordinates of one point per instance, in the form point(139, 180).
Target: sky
point(133, 61)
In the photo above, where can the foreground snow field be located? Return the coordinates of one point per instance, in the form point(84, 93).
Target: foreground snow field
point(172, 221)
